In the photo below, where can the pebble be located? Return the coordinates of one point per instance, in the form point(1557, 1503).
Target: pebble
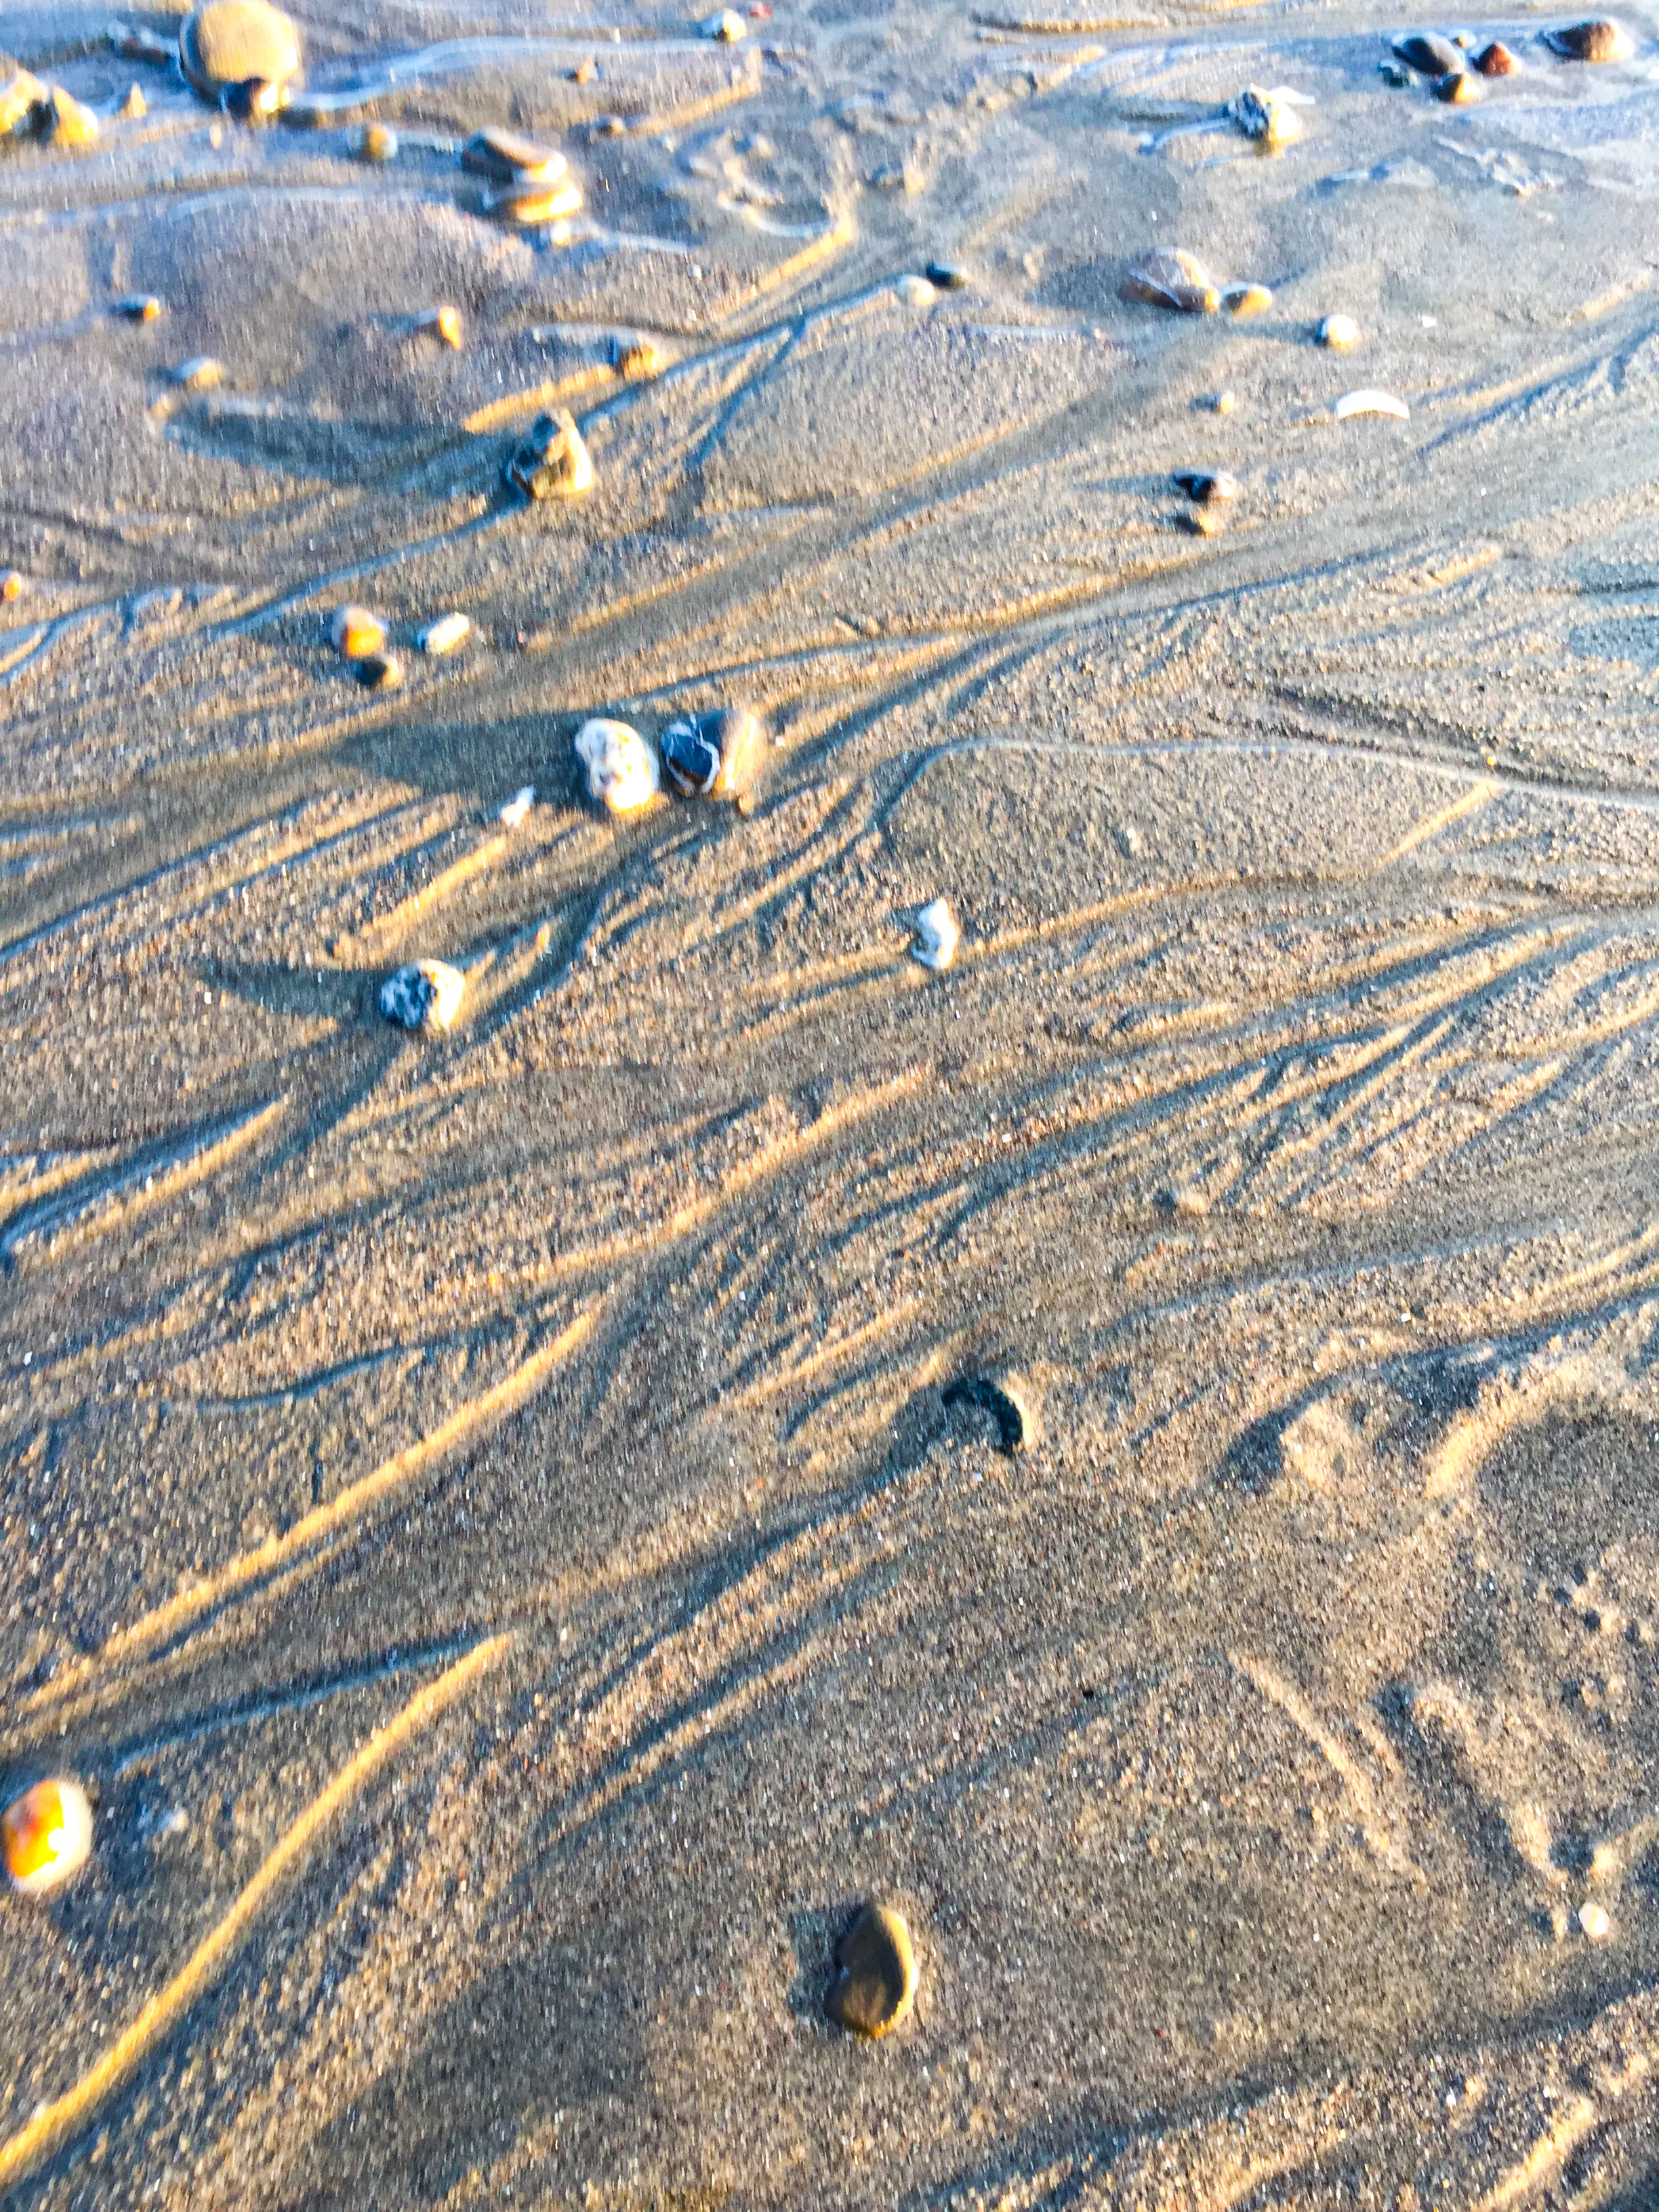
point(531, 206)
point(1205, 487)
point(516, 812)
point(916, 291)
point(1594, 1922)
point(135, 107)
point(712, 756)
point(1247, 299)
point(585, 72)
point(1339, 333)
point(511, 160)
point(1266, 117)
point(446, 321)
point(201, 372)
point(1597, 42)
point(946, 276)
point(1429, 54)
point(621, 768)
point(875, 1984)
point(1393, 73)
point(355, 632)
point(1496, 60)
point(20, 95)
point(635, 359)
point(1221, 403)
point(135, 44)
point(11, 584)
point(1459, 88)
point(137, 307)
point(234, 42)
point(728, 25)
point(1370, 402)
point(62, 120)
point(256, 99)
point(378, 141)
point(47, 1836)
point(937, 936)
point(378, 671)
point(550, 461)
point(426, 996)
point(1168, 277)
point(445, 635)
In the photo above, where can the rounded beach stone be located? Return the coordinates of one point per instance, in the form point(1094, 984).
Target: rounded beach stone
point(137, 307)
point(530, 205)
point(1206, 486)
point(445, 634)
point(635, 360)
point(621, 768)
point(446, 321)
point(62, 120)
point(356, 633)
point(1247, 299)
point(916, 291)
point(1459, 88)
point(46, 1835)
point(511, 160)
point(201, 372)
point(1598, 40)
point(1428, 53)
point(379, 671)
point(377, 143)
point(712, 756)
point(426, 996)
point(550, 461)
point(1496, 60)
point(1170, 277)
point(1339, 333)
point(230, 42)
point(937, 936)
point(876, 1983)
point(21, 93)
point(11, 584)
point(946, 276)
point(728, 26)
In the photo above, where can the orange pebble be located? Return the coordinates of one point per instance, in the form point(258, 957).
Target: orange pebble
point(11, 583)
point(356, 633)
point(47, 1835)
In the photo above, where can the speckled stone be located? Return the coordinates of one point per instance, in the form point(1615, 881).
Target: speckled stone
point(712, 756)
point(425, 996)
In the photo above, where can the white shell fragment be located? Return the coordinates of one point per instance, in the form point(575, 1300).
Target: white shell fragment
point(1339, 333)
point(728, 25)
point(426, 996)
point(1370, 402)
point(1269, 117)
point(517, 808)
point(936, 935)
point(444, 635)
point(621, 768)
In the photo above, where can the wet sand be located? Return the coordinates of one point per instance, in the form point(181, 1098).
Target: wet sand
point(482, 1514)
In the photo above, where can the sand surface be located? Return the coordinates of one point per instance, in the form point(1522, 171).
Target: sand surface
point(482, 1515)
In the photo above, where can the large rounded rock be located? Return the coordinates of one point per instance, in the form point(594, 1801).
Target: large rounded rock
point(237, 42)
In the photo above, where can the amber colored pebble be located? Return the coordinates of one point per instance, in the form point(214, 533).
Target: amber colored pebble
point(356, 633)
point(11, 584)
point(1495, 60)
point(876, 1983)
point(46, 1835)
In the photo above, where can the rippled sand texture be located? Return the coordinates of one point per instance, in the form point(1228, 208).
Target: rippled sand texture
point(481, 1513)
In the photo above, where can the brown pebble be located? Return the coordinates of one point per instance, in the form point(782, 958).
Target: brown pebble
point(62, 120)
point(1458, 88)
point(551, 460)
point(356, 633)
point(585, 72)
point(1600, 40)
point(511, 160)
point(876, 1983)
point(379, 671)
point(1428, 53)
point(1247, 299)
point(530, 205)
point(1495, 60)
point(1169, 277)
point(377, 143)
point(11, 584)
point(444, 321)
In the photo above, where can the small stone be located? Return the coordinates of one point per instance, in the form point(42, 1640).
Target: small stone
point(635, 360)
point(1594, 1922)
point(1168, 277)
point(11, 584)
point(256, 99)
point(46, 1835)
point(356, 633)
point(1207, 487)
point(1370, 402)
point(727, 26)
point(234, 42)
point(550, 461)
point(712, 756)
point(516, 812)
point(378, 671)
point(444, 322)
point(531, 206)
point(21, 95)
point(137, 307)
point(201, 372)
point(1339, 333)
point(62, 120)
point(621, 768)
point(426, 996)
point(585, 72)
point(1459, 88)
point(1247, 299)
point(135, 44)
point(445, 635)
point(1395, 74)
point(915, 291)
point(511, 160)
point(1496, 60)
point(377, 142)
point(1428, 53)
point(946, 276)
point(1221, 403)
point(1597, 42)
point(135, 107)
point(1266, 117)
point(937, 936)
point(876, 1983)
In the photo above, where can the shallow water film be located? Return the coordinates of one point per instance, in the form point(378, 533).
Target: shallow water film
point(586, 1420)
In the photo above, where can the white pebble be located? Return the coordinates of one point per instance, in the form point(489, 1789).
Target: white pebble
point(445, 635)
point(621, 768)
point(426, 996)
point(916, 291)
point(518, 806)
point(1595, 1923)
point(1370, 402)
point(936, 935)
point(1339, 332)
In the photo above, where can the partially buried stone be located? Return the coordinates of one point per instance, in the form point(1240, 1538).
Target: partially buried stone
point(550, 461)
point(426, 996)
point(379, 671)
point(1207, 487)
point(46, 1835)
point(135, 44)
point(511, 160)
point(1459, 88)
point(1596, 41)
point(635, 359)
point(584, 72)
point(621, 768)
point(916, 291)
point(1266, 117)
point(201, 372)
point(1247, 299)
point(1496, 60)
point(1169, 277)
point(937, 936)
point(137, 307)
point(378, 143)
point(228, 42)
point(875, 1984)
point(1429, 54)
point(256, 99)
point(711, 755)
point(62, 120)
point(355, 632)
point(530, 206)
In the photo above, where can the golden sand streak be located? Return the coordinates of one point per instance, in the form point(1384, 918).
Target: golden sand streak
point(549, 394)
point(430, 895)
point(1475, 797)
point(1291, 1702)
point(57, 2121)
point(823, 247)
point(248, 1569)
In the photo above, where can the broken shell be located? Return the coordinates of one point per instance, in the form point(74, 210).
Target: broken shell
point(511, 160)
point(426, 996)
point(11, 584)
point(444, 635)
point(62, 120)
point(1168, 277)
point(621, 768)
point(379, 671)
point(550, 461)
point(231, 42)
point(1496, 60)
point(1247, 299)
point(1370, 402)
point(444, 320)
point(1459, 88)
point(711, 755)
point(47, 1836)
point(728, 25)
point(199, 373)
point(355, 632)
point(531, 206)
point(256, 99)
point(876, 1983)
point(377, 143)
point(1207, 487)
point(1266, 117)
point(1339, 333)
point(516, 812)
point(1597, 42)
point(916, 291)
point(937, 936)
point(1429, 54)
point(1004, 1401)
point(635, 359)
